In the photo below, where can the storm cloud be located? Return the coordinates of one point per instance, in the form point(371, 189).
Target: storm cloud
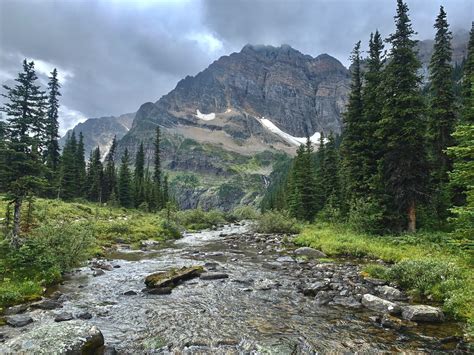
point(115, 55)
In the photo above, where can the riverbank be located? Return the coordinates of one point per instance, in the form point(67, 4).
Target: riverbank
point(427, 265)
point(59, 236)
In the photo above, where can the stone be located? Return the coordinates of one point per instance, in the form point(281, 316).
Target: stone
point(130, 293)
point(62, 317)
point(84, 315)
point(149, 243)
point(15, 309)
point(213, 276)
point(98, 272)
point(74, 337)
point(422, 313)
point(380, 305)
point(172, 277)
point(265, 284)
point(310, 253)
point(390, 293)
point(18, 320)
point(392, 322)
point(56, 295)
point(313, 288)
point(349, 302)
point(159, 291)
point(47, 304)
point(101, 264)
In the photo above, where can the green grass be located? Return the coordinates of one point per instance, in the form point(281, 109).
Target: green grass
point(425, 264)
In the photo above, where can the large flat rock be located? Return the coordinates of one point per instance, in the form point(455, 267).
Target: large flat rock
point(422, 313)
point(379, 304)
point(74, 337)
point(172, 277)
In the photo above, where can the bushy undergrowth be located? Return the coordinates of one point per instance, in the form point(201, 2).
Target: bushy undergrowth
point(425, 264)
point(245, 213)
point(277, 222)
point(198, 219)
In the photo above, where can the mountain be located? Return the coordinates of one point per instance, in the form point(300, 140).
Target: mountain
point(224, 128)
point(99, 132)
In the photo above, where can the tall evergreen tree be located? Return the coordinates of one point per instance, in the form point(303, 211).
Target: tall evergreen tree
point(296, 183)
point(52, 124)
point(24, 109)
point(125, 196)
point(403, 165)
point(353, 159)
point(80, 167)
point(94, 180)
point(138, 178)
point(442, 117)
point(157, 203)
point(110, 175)
point(68, 173)
point(331, 174)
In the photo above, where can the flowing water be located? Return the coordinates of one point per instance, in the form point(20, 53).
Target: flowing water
point(258, 309)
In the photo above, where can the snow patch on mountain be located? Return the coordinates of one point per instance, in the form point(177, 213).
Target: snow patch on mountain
point(205, 116)
point(286, 136)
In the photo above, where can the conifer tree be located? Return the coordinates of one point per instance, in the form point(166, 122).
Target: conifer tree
point(125, 182)
point(320, 193)
point(94, 178)
point(352, 149)
point(295, 185)
point(330, 173)
point(157, 203)
point(442, 117)
point(68, 180)
point(24, 108)
point(110, 178)
point(80, 167)
point(403, 165)
point(52, 124)
point(139, 174)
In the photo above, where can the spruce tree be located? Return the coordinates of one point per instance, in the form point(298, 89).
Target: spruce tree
point(52, 124)
point(110, 177)
point(24, 108)
point(352, 150)
point(402, 128)
point(296, 183)
point(331, 174)
point(80, 167)
point(125, 182)
point(94, 180)
point(442, 117)
point(157, 203)
point(68, 180)
point(320, 193)
point(138, 178)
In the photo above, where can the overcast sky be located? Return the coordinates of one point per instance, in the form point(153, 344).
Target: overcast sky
point(114, 55)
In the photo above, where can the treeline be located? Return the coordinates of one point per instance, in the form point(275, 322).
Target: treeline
point(31, 162)
point(406, 154)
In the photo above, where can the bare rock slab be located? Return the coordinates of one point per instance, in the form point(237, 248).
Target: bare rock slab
point(19, 320)
point(172, 277)
point(390, 293)
point(379, 304)
point(74, 337)
point(422, 313)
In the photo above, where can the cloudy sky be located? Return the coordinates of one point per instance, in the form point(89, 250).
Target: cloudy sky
point(114, 55)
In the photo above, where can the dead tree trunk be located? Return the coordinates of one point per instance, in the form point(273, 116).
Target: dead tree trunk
point(412, 217)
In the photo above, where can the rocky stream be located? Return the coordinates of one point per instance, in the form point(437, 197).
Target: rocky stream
point(251, 294)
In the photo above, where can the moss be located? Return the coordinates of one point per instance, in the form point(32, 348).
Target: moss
point(173, 277)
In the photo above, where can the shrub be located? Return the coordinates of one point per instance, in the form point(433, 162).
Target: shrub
point(245, 212)
point(377, 271)
point(199, 219)
point(277, 222)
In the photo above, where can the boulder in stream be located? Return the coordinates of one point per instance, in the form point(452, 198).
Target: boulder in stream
point(47, 304)
point(422, 313)
point(214, 276)
point(379, 304)
point(74, 337)
point(63, 317)
point(172, 277)
point(19, 320)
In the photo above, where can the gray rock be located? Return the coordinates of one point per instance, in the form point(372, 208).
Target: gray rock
point(350, 302)
point(130, 293)
point(285, 259)
point(16, 309)
point(84, 315)
point(313, 288)
point(380, 305)
point(47, 304)
point(74, 337)
point(422, 313)
point(213, 276)
point(159, 291)
point(18, 320)
point(392, 322)
point(310, 253)
point(98, 272)
point(375, 282)
point(390, 293)
point(62, 317)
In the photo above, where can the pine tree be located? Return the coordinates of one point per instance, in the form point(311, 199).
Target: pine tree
point(110, 178)
point(320, 193)
point(330, 174)
point(352, 149)
point(403, 165)
point(94, 180)
point(125, 182)
point(295, 185)
point(138, 178)
point(52, 124)
point(442, 117)
point(467, 113)
point(25, 116)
